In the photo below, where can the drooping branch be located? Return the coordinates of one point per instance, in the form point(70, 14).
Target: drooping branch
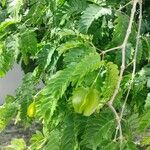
point(123, 50)
point(134, 59)
point(134, 67)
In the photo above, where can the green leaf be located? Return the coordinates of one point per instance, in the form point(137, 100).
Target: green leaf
point(14, 7)
point(36, 13)
point(98, 129)
point(4, 25)
point(146, 142)
point(92, 13)
point(69, 10)
point(87, 65)
point(3, 2)
point(9, 51)
point(25, 93)
point(111, 145)
point(120, 29)
point(7, 112)
point(129, 54)
point(69, 138)
point(45, 56)
point(37, 140)
point(28, 46)
point(74, 7)
point(17, 144)
point(129, 145)
point(75, 55)
point(146, 46)
point(52, 92)
point(53, 141)
point(144, 122)
point(12, 45)
point(68, 45)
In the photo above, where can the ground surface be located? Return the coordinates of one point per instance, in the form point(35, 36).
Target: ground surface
point(18, 131)
point(13, 131)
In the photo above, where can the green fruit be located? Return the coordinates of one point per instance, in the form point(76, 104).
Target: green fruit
point(78, 99)
point(85, 101)
point(92, 102)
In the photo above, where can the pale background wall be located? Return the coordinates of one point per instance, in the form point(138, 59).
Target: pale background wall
point(9, 83)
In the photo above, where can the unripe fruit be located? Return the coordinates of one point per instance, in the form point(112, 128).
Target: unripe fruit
point(92, 102)
point(31, 110)
point(85, 101)
point(78, 99)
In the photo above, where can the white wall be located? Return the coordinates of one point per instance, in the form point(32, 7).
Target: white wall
point(9, 83)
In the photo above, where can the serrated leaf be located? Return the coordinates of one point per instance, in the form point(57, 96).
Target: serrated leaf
point(24, 94)
point(53, 141)
point(120, 29)
point(9, 51)
point(28, 46)
point(37, 140)
point(129, 145)
point(89, 63)
point(92, 13)
point(144, 122)
point(98, 130)
point(45, 56)
point(6, 24)
point(14, 7)
point(16, 144)
point(7, 112)
point(68, 45)
point(75, 55)
point(69, 136)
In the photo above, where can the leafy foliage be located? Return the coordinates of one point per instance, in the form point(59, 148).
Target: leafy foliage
point(98, 131)
point(59, 43)
point(16, 144)
point(7, 111)
point(90, 14)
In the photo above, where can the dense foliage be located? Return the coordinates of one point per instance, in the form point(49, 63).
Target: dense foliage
point(93, 58)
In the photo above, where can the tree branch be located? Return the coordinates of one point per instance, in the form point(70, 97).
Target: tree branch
point(123, 50)
point(134, 59)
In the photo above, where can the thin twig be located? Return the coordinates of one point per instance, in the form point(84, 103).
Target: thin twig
point(111, 49)
point(125, 5)
point(134, 59)
point(123, 50)
point(117, 120)
point(129, 64)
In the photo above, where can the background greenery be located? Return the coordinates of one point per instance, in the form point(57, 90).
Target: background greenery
point(68, 45)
